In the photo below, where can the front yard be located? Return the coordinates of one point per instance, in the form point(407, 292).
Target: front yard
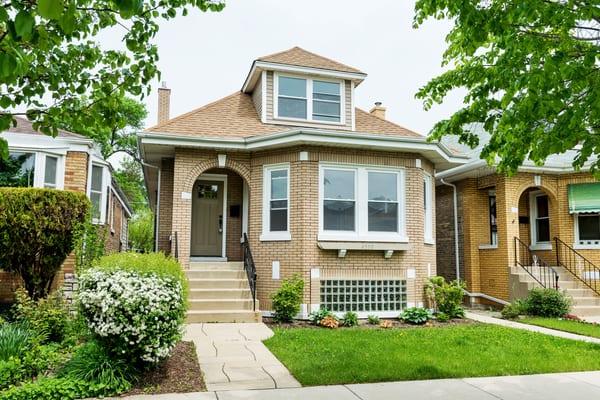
point(566, 325)
point(359, 355)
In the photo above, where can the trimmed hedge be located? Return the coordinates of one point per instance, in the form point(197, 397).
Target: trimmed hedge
point(37, 228)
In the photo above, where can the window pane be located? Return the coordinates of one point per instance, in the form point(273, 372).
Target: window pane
point(383, 186)
point(326, 118)
point(292, 87)
point(278, 220)
point(50, 172)
point(278, 204)
point(95, 198)
point(338, 215)
point(543, 230)
point(589, 227)
point(18, 170)
point(280, 173)
point(339, 184)
point(326, 87)
point(325, 108)
point(383, 217)
point(293, 108)
point(97, 178)
point(542, 206)
point(278, 188)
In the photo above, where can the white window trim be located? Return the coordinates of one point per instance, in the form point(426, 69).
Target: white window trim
point(582, 246)
point(361, 232)
point(39, 175)
point(428, 212)
point(535, 245)
point(309, 98)
point(267, 235)
point(104, 193)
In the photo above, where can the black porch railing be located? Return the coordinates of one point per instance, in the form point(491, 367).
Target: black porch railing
point(537, 268)
point(579, 266)
point(250, 269)
point(175, 245)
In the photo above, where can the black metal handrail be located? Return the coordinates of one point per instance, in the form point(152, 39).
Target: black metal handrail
point(537, 268)
point(579, 266)
point(250, 269)
point(175, 245)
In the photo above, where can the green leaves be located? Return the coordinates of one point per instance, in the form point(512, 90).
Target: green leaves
point(24, 23)
point(50, 9)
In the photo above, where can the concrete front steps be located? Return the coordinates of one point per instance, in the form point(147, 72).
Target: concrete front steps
point(586, 303)
point(219, 292)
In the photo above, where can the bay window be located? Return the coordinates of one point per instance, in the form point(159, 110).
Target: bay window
point(50, 170)
point(308, 99)
point(26, 168)
point(276, 191)
point(361, 203)
point(96, 191)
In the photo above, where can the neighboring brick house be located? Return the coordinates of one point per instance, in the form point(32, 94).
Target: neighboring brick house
point(340, 196)
point(67, 162)
point(522, 231)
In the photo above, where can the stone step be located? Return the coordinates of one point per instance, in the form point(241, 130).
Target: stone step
point(586, 301)
point(215, 274)
point(216, 265)
point(586, 311)
point(223, 316)
point(220, 294)
point(220, 305)
point(218, 283)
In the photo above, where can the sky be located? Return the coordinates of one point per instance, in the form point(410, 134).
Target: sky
point(206, 56)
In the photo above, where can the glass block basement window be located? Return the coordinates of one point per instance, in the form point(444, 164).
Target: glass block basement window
point(363, 295)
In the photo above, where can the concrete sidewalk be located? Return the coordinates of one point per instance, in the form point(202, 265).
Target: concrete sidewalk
point(577, 385)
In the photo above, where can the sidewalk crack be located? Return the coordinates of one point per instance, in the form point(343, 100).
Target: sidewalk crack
point(251, 352)
point(225, 373)
point(270, 376)
point(480, 389)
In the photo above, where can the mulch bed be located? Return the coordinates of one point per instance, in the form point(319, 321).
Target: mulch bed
point(180, 373)
point(363, 324)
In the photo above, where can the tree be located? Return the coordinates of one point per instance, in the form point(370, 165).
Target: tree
point(49, 62)
point(130, 179)
point(532, 74)
point(141, 231)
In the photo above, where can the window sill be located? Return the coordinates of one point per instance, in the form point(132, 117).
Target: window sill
point(488, 246)
point(275, 237)
point(336, 237)
point(308, 121)
point(578, 246)
point(429, 241)
point(541, 246)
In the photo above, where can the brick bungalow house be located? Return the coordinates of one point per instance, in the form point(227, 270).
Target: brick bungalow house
point(67, 162)
point(540, 227)
point(339, 196)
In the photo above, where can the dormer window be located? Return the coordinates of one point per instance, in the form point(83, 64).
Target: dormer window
point(308, 99)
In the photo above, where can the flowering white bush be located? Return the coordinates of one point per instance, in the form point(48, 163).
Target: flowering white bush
point(136, 315)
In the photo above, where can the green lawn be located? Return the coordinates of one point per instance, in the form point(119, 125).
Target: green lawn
point(580, 328)
point(358, 355)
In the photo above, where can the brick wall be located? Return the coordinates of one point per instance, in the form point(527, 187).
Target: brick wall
point(165, 227)
point(301, 254)
point(113, 231)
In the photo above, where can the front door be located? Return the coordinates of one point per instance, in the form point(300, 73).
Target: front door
point(207, 219)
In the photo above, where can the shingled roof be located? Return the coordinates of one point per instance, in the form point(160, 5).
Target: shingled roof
point(303, 58)
point(235, 116)
point(26, 126)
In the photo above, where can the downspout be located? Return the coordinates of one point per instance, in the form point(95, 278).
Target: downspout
point(455, 204)
point(157, 211)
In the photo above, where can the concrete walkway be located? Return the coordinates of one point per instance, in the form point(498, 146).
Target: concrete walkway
point(233, 357)
point(480, 317)
point(578, 385)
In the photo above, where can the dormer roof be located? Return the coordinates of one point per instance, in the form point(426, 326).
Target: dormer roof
point(298, 60)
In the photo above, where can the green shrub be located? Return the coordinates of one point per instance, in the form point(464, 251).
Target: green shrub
point(59, 389)
point(48, 317)
point(445, 296)
point(12, 373)
point(15, 340)
point(90, 241)
point(316, 317)
point(547, 303)
point(37, 360)
point(135, 305)
point(287, 300)
point(93, 363)
point(350, 319)
point(141, 231)
point(442, 317)
point(373, 319)
point(37, 227)
point(416, 315)
point(513, 310)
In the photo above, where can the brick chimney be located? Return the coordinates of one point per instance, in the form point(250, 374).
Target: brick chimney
point(378, 110)
point(164, 102)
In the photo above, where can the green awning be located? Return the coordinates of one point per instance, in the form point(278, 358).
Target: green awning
point(584, 198)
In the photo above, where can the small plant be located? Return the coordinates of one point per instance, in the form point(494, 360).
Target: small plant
point(350, 319)
point(373, 319)
point(547, 303)
point(15, 340)
point(330, 321)
point(445, 296)
point(48, 317)
point(442, 317)
point(287, 300)
point(89, 241)
point(92, 363)
point(416, 315)
point(316, 317)
point(513, 310)
point(386, 324)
